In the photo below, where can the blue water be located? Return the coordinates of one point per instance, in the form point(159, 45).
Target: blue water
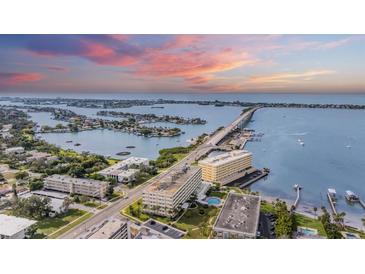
point(213, 201)
point(323, 162)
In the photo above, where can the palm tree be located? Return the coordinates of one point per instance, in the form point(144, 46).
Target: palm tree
point(315, 210)
point(339, 218)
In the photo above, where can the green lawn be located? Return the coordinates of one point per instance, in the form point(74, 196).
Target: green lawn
point(70, 226)
point(198, 222)
point(49, 225)
point(305, 221)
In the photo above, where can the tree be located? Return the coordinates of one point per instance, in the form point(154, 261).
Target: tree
point(21, 175)
point(66, 204)
point(34, 207)
point(284, 220)
point(2, 178)
point(109, 191)
point(315, 210)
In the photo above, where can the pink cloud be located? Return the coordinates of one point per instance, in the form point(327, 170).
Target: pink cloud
point(9, 78)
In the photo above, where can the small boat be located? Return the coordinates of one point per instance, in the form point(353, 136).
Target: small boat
point(351, 196)
point(69, 141)
point(130, 147)
point(77, 144)
point(349, 146)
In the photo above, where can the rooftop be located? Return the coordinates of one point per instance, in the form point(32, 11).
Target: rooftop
point(164, 229)
point(11, 225)
point(225, 157)
point(79, 181)
point(240, 214)
point(108, 229)
point(123, 165)
point(172, 180)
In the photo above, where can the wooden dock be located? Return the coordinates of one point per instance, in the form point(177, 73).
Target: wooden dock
point(332, 204)
point(362, 203)
point(297, 188)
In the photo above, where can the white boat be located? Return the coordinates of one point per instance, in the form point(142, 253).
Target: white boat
point(348, 146)
point(351, 196)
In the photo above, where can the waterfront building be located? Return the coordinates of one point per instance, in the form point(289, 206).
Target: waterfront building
point(215, 169)
point(12, 227)
point(14, 150)
point(126, 170)
point(171, 190)
point(81, 186)
point(239, 217)
point(113, 229)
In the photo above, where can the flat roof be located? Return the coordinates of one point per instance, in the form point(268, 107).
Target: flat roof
point(225, 157)
point(120, 166)
point(240, 214)
point(11, 225)
point(108, 229)
point(164, 229)
point(80, 181)
point(173, 179)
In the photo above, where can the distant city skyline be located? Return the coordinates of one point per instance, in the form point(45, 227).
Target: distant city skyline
point(182, 63)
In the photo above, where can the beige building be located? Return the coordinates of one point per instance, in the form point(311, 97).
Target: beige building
point(166, 196)
point(87, 187)
point(215, 169)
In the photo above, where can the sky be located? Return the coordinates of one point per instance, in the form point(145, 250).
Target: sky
point(182, 63)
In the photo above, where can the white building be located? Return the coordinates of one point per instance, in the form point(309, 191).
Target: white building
point(14, 150)
point(128, 175)
point(171, 190)
point(81, 186)
point(126, 170)
point(113, 229)
point(14, 227)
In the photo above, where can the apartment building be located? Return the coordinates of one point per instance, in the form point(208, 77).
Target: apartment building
point(167, 194)
point(215, 169)
point(239, 217)
point(87, 187)
point(126, 170)
point(112, 229)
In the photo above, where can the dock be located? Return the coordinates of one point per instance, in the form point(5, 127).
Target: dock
point(362, 203)
point(332, 204)
point(297, 188)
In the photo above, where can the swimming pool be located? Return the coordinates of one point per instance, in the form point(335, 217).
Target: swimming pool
point(307, 231)
point(213, 201)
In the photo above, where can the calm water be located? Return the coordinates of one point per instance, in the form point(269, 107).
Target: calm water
point(324, 161)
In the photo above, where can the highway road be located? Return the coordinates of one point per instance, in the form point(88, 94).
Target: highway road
point(136, 193)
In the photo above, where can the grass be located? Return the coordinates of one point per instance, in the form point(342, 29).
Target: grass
point(49, 225)
point(305, 221)
point(70, 226)
point(91, 204)
point(198, 222)
point(141, 179)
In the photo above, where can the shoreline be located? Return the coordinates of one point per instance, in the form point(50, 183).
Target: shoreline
point(307, 210)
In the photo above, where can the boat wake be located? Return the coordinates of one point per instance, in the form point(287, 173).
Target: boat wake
point(298, 134)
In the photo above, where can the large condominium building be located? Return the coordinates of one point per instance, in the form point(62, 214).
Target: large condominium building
point(239, 217)
point(215, 169)
point(166, 195)
point(69, 184)
point(125, 171)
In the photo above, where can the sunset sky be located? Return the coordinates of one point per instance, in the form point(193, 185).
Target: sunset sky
point(182, 63)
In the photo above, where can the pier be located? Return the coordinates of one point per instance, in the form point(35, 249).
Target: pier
point(297, 188)
point(362, 203)
point(332, 203)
